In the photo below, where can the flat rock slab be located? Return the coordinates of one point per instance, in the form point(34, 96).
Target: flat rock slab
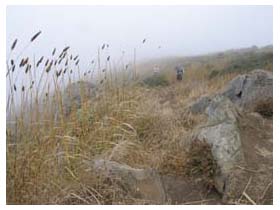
point(140, 183)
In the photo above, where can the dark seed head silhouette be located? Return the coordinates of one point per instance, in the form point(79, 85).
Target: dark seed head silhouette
point(66, 48)
point(12, 62)
point(27, 69)
point(35, 36)
point(103, 46)
point(22, 89)
point(144, 40)
point(64, 54)
point(14, 44)
point(39, 61)
point(58, 73)
point(25, 61)
point(53, 52)
point(76, 57)
point(47, 61)
point(15, 87)
point(21, 62)
point(61, 54)
point(13, 68)
point(108, 58)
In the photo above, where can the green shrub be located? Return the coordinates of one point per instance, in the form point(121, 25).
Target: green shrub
point(213, 74)
point(156, 80)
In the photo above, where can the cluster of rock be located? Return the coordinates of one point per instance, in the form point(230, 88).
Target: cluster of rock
point(250, 92)
point(226, 111)
point(244, 94)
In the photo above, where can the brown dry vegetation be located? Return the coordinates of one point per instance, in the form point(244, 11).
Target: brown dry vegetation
point(135, 124)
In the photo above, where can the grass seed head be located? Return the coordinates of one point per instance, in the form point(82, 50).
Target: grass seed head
point(39, 61)
point(66, 48)
point(53, 52)
point(14, 45)
point(47, 62)
point(35, 36)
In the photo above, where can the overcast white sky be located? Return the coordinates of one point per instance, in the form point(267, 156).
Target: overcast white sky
point(179, 30)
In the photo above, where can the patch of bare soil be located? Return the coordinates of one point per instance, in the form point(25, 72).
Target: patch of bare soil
point(183, 190)
point(257, 142)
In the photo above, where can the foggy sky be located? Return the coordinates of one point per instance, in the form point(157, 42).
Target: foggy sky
point(179, 30)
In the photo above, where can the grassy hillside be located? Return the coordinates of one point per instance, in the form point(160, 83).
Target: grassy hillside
point(220, 63)
point(146, 119)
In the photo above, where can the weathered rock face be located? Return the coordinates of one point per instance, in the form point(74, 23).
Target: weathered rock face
point(252, 92)
point(74, 93)
point(140, 183)
point(199, 106)
point(148, 185)
point(222, 133)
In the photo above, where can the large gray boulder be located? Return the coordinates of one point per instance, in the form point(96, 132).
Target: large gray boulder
point(252, 91)
point(222, 133)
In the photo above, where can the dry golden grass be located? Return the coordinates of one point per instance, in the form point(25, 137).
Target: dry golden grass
point(126, 122)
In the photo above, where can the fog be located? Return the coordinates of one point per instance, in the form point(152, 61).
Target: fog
point(168, 30)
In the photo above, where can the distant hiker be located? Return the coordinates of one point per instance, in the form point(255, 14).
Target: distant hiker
point(179, 72)
point(156, 70)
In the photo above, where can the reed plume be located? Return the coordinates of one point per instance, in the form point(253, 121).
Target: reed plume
point(53, 52)
point(35, 36)
point(39, 61)
point(75, 58)
point(14, 45)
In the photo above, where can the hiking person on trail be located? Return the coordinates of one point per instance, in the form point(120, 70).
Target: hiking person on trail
point(179, 72)
point(156, 70)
